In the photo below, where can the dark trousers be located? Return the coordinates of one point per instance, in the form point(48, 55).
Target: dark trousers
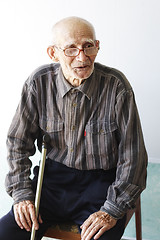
point(67, 194)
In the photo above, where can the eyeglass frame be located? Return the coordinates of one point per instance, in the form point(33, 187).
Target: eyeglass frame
point(63, 49)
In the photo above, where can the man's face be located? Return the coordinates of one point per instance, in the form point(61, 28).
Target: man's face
point(79, 67)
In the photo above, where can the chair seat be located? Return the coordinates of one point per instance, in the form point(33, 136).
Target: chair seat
point(67, 231)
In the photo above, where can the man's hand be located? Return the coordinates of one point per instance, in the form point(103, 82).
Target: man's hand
point(25, 215)
point(97, 224)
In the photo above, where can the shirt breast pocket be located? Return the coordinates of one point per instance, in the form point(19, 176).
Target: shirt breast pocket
point(55, 129)
point(101, 139)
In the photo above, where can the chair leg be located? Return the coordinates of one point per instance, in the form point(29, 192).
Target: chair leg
point(138, 221)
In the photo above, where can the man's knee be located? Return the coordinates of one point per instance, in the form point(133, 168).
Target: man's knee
point(116, 232)
point(10, 230)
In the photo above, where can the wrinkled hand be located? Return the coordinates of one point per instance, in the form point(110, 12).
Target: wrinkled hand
point(25, 215)
point(97, 223)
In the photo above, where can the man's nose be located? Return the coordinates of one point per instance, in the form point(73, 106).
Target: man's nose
point(81, 56)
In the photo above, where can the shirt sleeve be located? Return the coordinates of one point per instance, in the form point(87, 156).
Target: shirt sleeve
point(132, 161)
point(20, 145)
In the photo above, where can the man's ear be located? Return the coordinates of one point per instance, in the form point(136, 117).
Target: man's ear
point(98, 44)
point(52, 54)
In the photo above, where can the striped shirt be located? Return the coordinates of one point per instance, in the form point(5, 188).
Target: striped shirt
point(93, 126)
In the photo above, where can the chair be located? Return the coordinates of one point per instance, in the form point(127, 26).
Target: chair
point(138, 221)
point(69, 231)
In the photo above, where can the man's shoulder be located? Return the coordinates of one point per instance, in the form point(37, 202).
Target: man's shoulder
point(102, 68)
point(45, 69)
point(116, 74)
point(43, 74)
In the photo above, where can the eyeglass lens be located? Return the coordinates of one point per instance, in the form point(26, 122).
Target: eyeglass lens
point(75, 51)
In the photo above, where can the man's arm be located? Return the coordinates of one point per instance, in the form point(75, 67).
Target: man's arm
point(20, 143)
point(132, 160)
point(131, 170)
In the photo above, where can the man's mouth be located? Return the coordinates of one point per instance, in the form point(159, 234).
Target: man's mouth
point(81, 67)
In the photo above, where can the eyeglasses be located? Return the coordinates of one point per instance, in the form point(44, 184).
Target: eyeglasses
point(73, 52)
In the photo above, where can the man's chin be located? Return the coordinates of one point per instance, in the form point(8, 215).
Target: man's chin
point(81, 75)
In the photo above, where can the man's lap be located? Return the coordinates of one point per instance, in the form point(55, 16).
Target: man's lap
point(10, 230)
point(69, 194)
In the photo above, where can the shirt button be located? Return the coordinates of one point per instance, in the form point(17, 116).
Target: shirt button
point(73, 128)
point(74, 104)
point(101, 131)
point(71, 149)
point(73, 91)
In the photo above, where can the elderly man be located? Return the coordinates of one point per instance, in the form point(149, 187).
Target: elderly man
point(96, 160)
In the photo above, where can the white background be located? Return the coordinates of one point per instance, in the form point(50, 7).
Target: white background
point(129, 33)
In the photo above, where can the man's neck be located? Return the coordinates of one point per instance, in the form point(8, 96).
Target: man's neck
point(76, 82)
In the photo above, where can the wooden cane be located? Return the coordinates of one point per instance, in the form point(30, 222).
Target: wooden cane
point(40, 180)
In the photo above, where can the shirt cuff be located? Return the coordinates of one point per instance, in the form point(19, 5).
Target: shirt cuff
point(112, 210)
point(21, 195)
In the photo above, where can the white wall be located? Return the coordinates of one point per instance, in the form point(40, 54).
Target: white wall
point(129, 31)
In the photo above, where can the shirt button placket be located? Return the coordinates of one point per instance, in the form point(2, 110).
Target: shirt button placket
point(73, 127)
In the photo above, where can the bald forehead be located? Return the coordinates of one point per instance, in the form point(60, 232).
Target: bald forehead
point(72, 27)
point(72, 21)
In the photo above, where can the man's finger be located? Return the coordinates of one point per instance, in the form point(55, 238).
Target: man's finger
point(89, 232)
point(40, 219)
point(24, 222)
point(87, 223)
point(17, 219)
point(101, 231)
point(96, 229)
point(85, 226)
point(33, 216)
point(27, 216)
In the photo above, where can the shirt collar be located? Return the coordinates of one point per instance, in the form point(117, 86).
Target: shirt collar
point(87, 87)
point(63, 86)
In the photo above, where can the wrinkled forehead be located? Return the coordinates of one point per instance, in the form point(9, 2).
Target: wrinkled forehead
point(77, 43)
